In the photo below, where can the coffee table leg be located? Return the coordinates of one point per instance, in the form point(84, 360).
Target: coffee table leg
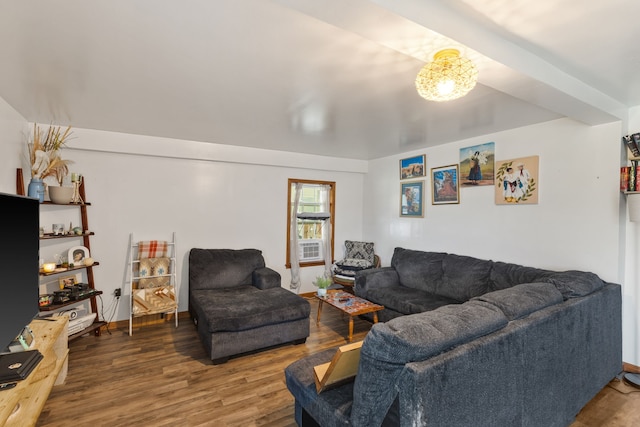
point(350, 329)
point(375, 317)
point(319, 312)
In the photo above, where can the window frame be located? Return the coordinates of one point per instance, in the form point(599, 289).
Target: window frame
point(332, 211)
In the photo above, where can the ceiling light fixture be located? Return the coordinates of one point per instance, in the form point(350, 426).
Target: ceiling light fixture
point(449, 76)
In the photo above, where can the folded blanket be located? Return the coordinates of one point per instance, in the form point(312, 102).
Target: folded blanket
point(152, 249)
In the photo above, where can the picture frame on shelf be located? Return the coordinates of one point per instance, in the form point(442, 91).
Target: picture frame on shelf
point(412, 199)
point(412, 167)
point(445, 185)
point(67, 281)
point(77, 255)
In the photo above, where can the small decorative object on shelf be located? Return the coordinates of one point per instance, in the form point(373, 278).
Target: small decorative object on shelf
point(49, 267)
point(631, 142)
point(76, 180)
point(630, 173)
point(36, 189)
point(43, 152)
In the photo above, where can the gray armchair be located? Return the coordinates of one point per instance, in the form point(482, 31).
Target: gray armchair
point(238, 305)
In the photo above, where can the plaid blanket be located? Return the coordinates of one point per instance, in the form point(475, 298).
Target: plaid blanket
point(152, 249)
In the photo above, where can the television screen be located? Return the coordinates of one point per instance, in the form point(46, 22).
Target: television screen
point(19, 254)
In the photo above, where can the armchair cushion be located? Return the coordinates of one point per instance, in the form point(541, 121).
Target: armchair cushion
point(359, 250)
point(354, 264)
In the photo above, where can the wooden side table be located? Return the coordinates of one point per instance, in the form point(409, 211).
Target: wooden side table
point(22, 405)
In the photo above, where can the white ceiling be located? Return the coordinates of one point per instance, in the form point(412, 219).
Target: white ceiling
point(332, 77)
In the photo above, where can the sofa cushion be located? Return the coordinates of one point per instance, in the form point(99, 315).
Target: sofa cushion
point(504, 275)
point(407, 300)
point(222, 268)
point(389, 346)
point(464, 277)
point(246, 307)
point(573, 284)
point(522, 300)
point(359, 250)
point(418, 269)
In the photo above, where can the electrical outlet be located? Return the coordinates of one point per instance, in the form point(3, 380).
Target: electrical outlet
point(117, 292)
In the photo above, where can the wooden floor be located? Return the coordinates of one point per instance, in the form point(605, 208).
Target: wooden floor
point(161, 376)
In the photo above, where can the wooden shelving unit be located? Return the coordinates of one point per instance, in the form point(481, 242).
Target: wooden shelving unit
point(86, 235)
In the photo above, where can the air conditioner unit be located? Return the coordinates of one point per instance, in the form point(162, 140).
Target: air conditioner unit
point(310, 250)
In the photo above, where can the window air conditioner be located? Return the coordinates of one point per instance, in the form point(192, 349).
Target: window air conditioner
point(310, 250)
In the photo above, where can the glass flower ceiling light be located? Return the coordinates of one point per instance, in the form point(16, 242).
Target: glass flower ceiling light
point(449, 76)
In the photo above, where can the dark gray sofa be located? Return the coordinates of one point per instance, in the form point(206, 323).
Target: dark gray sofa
point(514, 346)
point(238, 305)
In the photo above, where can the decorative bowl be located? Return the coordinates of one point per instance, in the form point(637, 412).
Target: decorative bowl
point(60, 195)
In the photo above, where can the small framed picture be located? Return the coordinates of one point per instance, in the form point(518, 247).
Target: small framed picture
point(413, 167)
point(411, 199)
point(477, 165)
point(77, 255)
point(446, 185)
point(67, 281)
point(517, 181)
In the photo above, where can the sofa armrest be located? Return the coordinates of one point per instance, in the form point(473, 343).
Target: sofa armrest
point(266, 278)
point(375, 278)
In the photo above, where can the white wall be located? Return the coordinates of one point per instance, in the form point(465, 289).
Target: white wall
point(221, 201)
point(575, 225)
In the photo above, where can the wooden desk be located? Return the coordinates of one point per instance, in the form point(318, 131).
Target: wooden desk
point(348, 304)
point(21, 406)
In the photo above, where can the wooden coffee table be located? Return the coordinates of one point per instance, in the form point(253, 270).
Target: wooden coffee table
point(350, 305)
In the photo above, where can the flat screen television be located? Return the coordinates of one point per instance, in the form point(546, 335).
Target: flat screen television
point(19, 265)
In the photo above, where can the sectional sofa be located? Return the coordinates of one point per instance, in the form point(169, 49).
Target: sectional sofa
point(471, 342)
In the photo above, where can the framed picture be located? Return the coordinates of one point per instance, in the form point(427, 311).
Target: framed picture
point(411, 199)
point(517, 181)
point(67, 281)
point(413, 167)
point(77, 254)
point(446, 186)
point(477, 164)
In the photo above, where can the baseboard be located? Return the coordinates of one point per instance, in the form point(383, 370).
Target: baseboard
point(151, 319)
point(628, 367)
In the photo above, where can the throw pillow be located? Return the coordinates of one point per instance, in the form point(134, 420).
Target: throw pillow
point(149, 267)
point(359, 250)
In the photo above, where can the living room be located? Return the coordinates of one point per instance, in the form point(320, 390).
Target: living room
point(215, 194)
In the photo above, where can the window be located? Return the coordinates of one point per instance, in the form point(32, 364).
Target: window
point(314, 220)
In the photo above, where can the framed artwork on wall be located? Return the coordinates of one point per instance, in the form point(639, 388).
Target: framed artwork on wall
point(517, 181)
point(412, 167)
point(411, 199)
point(446, 185)
point(477, 165)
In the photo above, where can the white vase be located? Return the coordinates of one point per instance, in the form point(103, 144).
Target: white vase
point(322, 292)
